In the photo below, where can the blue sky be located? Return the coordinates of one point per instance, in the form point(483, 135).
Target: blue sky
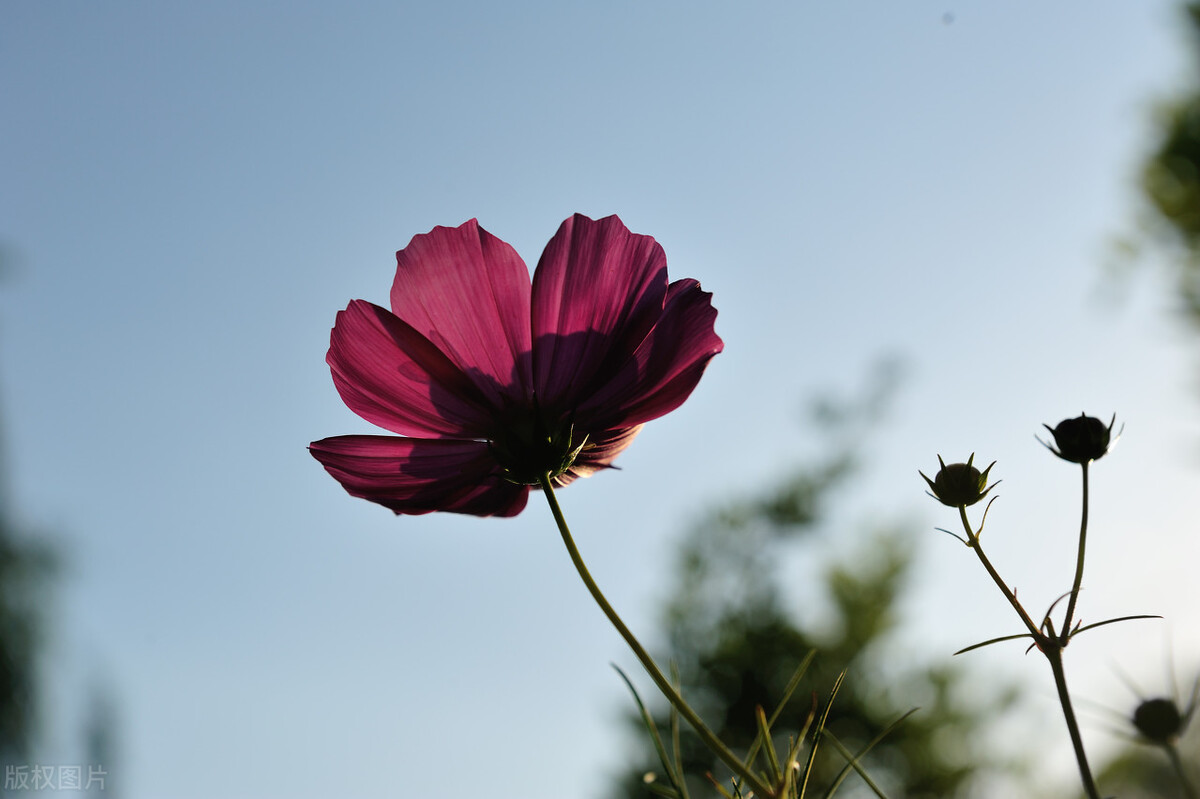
point(192, 191)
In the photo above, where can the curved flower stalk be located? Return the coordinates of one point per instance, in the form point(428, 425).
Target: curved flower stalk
point(492, 381)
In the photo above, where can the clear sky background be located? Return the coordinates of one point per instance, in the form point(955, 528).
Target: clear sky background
point(190, 192)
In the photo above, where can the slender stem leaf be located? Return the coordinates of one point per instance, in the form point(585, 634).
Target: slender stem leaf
point(993, 641)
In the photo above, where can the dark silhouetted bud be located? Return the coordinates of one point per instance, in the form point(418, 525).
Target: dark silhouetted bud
point(959, 484)
point(1081, 440)
point(1159, 720)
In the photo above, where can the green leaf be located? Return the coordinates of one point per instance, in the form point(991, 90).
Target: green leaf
point(853, 763)
point(993, 641)
point(764, 735)
point(793, 684)
point(1078, 630)
point(675, 779)
point(812, 753)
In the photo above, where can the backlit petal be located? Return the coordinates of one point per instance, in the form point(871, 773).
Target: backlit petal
point(664, 369)
point(414, 476)
point(468, 292)
point(597, 292)
point(392, 376)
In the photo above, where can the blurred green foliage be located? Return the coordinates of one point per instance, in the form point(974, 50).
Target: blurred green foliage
point(1171, 184)
point(29, 566)
point(26, 569)
point(733, 630)
point(1171, 176)
point(1143, 771)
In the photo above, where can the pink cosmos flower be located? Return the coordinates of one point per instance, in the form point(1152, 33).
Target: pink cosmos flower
point(493, 382)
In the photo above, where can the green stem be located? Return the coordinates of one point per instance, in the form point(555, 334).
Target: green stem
point(1066, 629)
point(664, 685)
point(1173, 752)
point(1054, 655)
point(1048, 643)
point(973, 542)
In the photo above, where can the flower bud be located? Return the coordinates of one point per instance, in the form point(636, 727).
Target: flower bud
point(1081, 440)
point(959, 484)
point(1159, 720)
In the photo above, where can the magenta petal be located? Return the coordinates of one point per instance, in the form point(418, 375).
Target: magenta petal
point(415, 476)
point(597, 292)
point(665, 367)
point(393, 377)
point(468, 292)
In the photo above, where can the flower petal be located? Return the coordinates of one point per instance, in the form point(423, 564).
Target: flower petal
point(597, 292)
point(392, 376)
point(415, 476)
point(664, 369)
point(468, 292)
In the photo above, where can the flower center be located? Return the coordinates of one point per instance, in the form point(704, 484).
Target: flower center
point(529, 448)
